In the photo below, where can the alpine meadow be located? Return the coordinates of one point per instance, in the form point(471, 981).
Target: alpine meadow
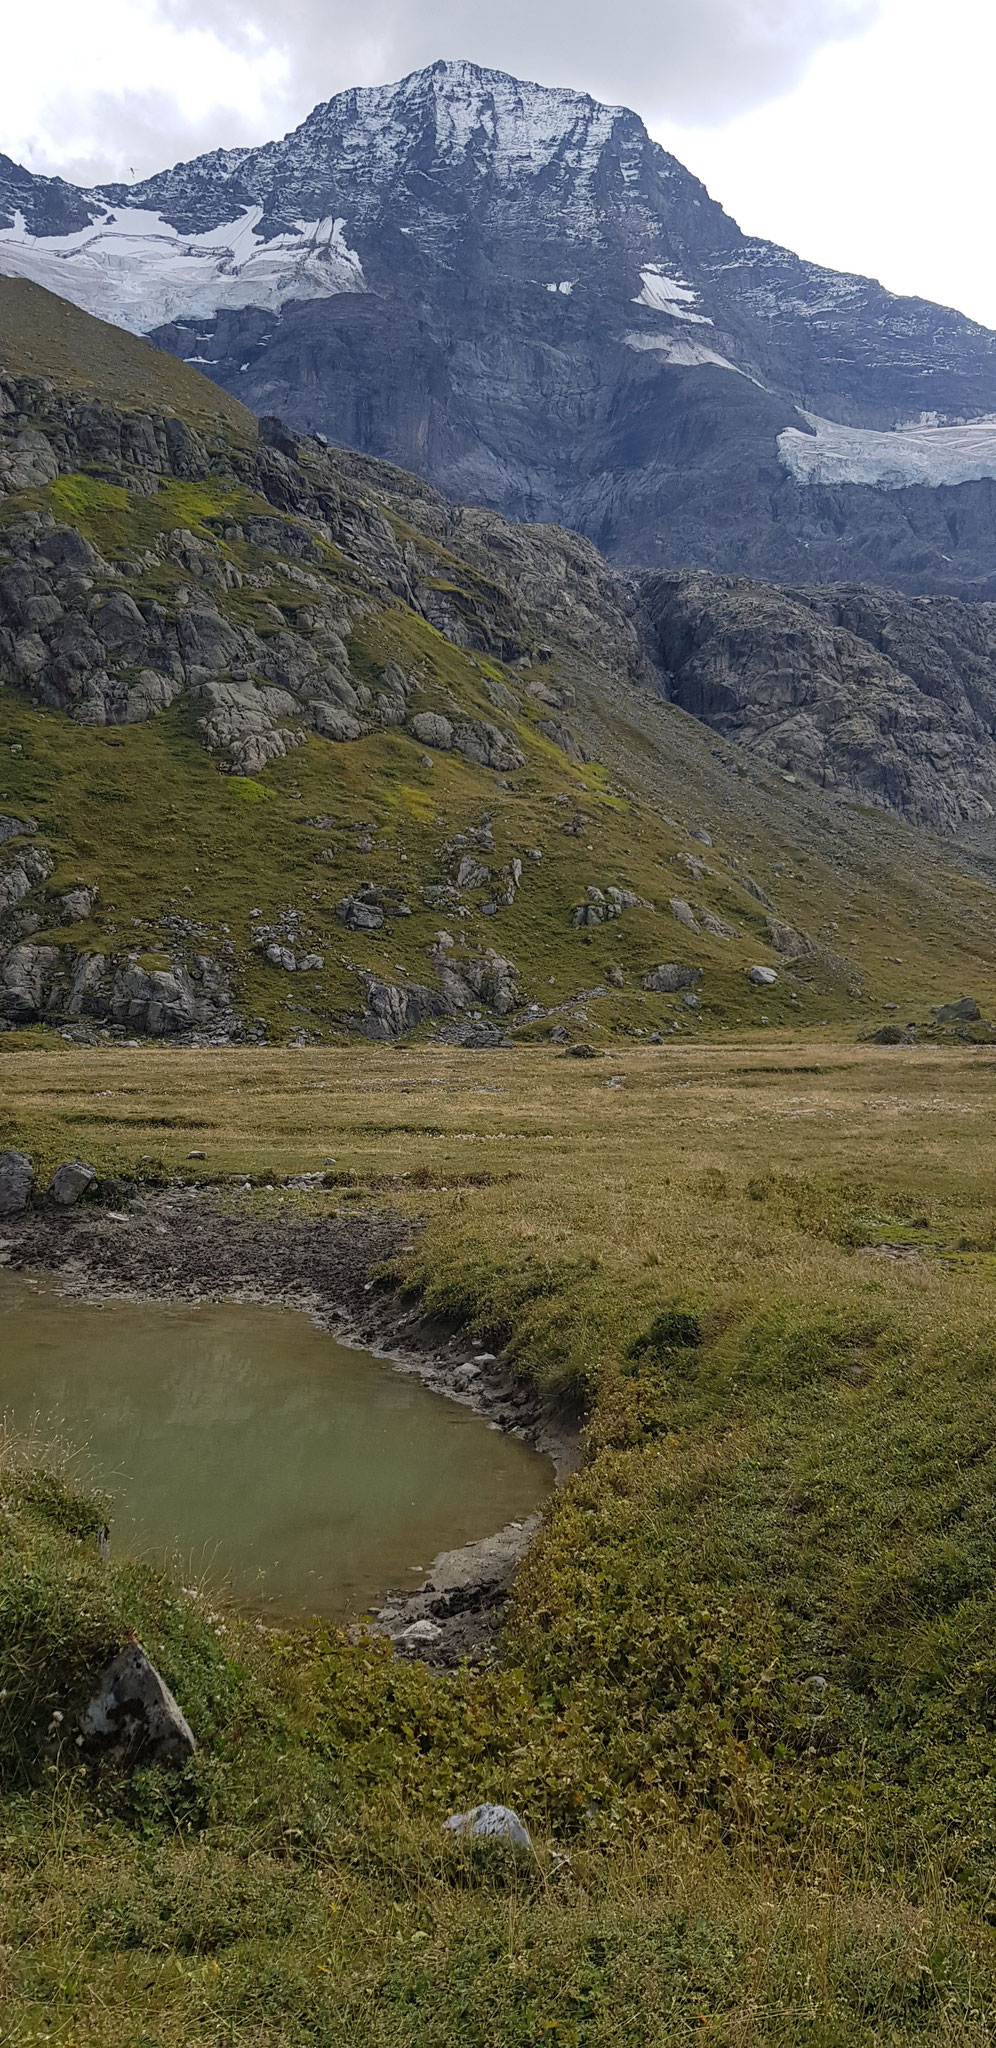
point(497, 1048)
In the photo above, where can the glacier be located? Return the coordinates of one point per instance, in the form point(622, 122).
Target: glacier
point(131, 267)
point(892, 461)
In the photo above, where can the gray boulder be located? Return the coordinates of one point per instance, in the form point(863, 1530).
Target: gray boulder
point(358, 916)
point(17, 1179)
point(433, 730)
point(785, 939)
point(565, 739)
point(484, 743)
point(472, 874)
point(762, 977)
point(670, 979)
point(71, 1181)
point(717, 925)
point(966, 1011)
point(684, 913)
point(30, 869)
point(77, 904)
point(485, 1824)
point(154, 1000)
point(334, 723)
point(16, 828)
point(133, 1716)
point(391, 1009)
point(27, 977)
point(491, 980)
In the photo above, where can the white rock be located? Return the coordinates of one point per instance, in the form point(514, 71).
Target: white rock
point(421, 1632)
point(762, 977)
point(490, 1824)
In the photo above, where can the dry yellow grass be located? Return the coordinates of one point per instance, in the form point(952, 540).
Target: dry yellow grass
point(696, 1162)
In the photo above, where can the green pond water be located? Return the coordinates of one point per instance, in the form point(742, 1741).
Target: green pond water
point(246, 1444)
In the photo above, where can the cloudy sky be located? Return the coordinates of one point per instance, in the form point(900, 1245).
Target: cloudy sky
point(855, 131)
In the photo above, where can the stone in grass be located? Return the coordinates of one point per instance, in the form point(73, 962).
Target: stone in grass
point(491, 1824)
point(762, 977)
point(71, 1181)
point(17, 1180)
point(966, 1011)
point(670, 978)
point(133, 1717)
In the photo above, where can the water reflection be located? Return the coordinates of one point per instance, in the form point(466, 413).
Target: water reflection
point(306, 1477)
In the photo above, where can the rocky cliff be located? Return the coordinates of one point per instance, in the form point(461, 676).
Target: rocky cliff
point(515, 292)
point(863, 691)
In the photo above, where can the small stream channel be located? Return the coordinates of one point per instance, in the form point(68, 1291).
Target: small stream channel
point(302, 1477)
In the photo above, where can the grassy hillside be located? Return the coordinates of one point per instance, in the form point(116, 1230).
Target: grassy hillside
point(229, 818)
point(770, 1271)
point(42, 336)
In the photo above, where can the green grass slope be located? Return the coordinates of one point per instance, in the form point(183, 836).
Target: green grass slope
point(43, 336)
point(863, 919)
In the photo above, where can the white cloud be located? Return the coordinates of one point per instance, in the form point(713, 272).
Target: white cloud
point(880, 162)
point(93, 92)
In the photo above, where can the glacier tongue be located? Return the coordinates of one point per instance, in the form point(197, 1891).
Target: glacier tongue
point(932, 455)
point(131, 267)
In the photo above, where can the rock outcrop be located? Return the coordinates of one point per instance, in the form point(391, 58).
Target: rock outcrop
point(861, 691)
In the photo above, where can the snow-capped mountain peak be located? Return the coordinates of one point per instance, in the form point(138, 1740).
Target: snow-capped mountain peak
point(513, 289)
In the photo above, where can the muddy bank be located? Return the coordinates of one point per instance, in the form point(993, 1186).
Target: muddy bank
point(182, 1245)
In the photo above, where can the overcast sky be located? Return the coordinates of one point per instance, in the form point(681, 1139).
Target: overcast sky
point(855, 131)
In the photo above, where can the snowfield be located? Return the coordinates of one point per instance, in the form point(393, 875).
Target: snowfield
point(132, 268)
point(665, 294)
point(681, 352)
point(832, 454)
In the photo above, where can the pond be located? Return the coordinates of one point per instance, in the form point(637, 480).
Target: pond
point(245, 1443)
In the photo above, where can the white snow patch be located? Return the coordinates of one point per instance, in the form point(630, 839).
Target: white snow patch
point(133, 268)
point(682, 353)
point(920, 454)
point(566, 287)
point(665, 294)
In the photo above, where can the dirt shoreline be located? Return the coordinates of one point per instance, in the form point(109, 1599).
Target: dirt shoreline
point(183, 1245)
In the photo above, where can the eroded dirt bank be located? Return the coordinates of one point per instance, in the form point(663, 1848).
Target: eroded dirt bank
point(185, 1245)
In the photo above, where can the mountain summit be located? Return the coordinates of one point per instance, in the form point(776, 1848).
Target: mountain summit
point(515, 291)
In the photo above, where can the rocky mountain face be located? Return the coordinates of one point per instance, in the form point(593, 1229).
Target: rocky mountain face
point(290, 745)
point(514, 292)
point(888, 698)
